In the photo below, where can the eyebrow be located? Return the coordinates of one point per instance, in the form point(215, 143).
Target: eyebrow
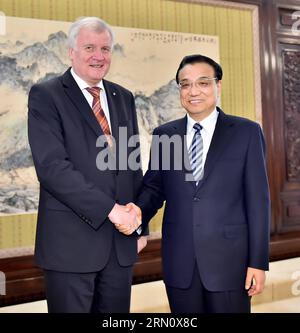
point(199, 78)
point(84, 45)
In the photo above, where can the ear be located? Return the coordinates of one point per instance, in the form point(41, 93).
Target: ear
point(71, 53)
point(219, 88)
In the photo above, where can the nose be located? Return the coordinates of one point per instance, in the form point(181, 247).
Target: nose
point(194, 90)
point(98, 54)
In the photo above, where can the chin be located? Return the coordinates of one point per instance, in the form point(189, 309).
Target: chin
point(97, 74)
point(96, 78)
point(195, 112)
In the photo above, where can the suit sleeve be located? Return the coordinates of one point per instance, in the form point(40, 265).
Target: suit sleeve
point(138, 174)
point(257, 201)
point(152, 195)
point(55, 170)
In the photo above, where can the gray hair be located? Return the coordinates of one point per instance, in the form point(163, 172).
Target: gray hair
point(93, 23)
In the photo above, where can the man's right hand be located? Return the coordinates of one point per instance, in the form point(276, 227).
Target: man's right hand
point(126, 220)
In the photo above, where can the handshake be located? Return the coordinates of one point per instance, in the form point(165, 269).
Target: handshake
point(126, 218)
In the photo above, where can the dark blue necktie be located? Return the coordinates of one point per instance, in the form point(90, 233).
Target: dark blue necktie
point(196, 153)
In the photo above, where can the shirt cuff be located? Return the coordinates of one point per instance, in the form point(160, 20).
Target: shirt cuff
point(139, 230)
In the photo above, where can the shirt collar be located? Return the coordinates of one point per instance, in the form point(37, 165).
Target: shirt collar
point(207, 123)
point(82, 84)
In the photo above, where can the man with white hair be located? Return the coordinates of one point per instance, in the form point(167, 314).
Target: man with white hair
point(87, 262)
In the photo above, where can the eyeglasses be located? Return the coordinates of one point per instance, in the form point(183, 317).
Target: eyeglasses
point(203, 83)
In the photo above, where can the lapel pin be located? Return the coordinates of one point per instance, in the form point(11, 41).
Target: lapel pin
point(114, 94)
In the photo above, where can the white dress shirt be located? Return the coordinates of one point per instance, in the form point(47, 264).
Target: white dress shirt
point(208, 127)
point(103, 99)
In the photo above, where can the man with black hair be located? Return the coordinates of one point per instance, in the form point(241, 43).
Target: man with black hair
point(215, 232)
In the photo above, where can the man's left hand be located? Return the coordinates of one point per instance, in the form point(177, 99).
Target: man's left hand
point(141, 243)
point(255, 281)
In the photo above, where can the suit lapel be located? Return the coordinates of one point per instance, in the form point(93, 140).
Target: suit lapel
point(222, 134)
point(180, 129)
point(80, 103)
point(112, 101)
point(179, 126)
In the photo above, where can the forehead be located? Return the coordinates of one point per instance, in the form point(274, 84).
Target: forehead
point(196, 70)
point(88, 36)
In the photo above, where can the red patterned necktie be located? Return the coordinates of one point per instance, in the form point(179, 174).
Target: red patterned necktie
point(99, 113)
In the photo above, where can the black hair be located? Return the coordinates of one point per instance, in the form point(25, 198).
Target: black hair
point(199, 58)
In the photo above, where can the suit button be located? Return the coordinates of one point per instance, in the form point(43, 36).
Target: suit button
point(196, 199)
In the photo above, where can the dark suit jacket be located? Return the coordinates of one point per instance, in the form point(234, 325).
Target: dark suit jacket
point(73, 231)
point(223, 223)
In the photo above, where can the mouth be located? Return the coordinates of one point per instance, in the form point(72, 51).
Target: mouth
point(196, 101)
point(96, 66)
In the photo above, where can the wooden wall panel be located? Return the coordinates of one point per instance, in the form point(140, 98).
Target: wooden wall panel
point(281, 120)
